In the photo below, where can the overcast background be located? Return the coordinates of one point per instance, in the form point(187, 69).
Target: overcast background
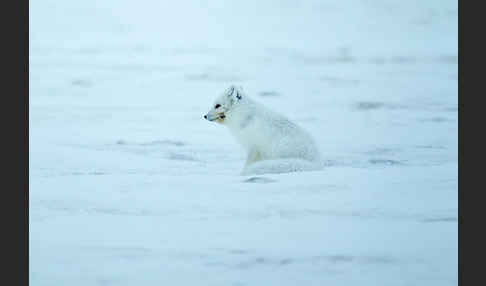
point(129, 185)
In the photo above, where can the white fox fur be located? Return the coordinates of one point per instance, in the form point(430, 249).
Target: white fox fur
point(274, 144)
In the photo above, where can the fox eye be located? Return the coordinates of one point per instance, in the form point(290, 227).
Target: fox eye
point(217, 106)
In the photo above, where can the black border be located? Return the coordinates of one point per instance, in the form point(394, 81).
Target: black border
point(26, 156)
point(14, 124)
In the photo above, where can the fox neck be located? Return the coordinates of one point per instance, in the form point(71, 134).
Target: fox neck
point(236, 116)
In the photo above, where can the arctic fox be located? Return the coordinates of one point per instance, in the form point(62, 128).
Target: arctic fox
point(273, 143)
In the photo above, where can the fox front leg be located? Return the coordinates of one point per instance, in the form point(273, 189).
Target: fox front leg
point(253, 156)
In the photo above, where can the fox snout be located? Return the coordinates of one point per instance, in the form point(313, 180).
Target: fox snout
point(209, 117)
point(218, 117)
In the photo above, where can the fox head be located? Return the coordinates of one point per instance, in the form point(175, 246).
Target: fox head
point(224, 103)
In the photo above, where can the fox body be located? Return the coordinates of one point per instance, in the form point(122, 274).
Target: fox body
point(273, 143)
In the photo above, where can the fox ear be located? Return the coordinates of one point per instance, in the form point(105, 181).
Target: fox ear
point(231, 90)
point(236, 92)
point(239, 92)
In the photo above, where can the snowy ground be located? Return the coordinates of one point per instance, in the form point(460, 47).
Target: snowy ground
point(130, 186)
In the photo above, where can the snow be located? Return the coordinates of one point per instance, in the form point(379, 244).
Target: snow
point(129, 185)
